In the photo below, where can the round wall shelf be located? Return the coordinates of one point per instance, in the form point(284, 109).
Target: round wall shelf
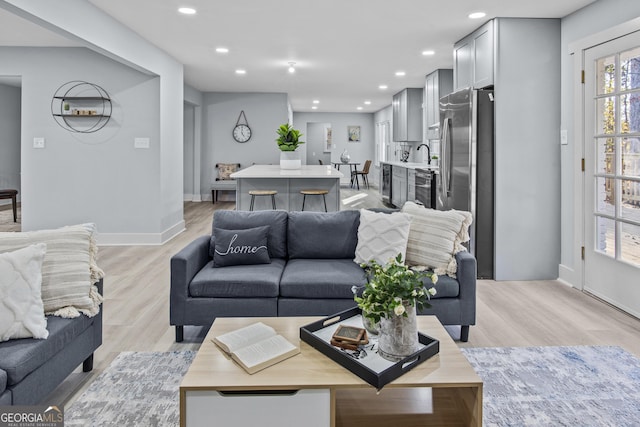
point(81, 107)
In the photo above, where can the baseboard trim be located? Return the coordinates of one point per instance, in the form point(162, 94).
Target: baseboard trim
point(140, 239)
point(568, 276)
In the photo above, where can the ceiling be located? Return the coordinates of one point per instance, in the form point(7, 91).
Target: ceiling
point(343, 50)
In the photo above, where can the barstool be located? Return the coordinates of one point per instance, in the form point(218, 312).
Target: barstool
point(322, 193)
point(11, 194)
point(255, 193)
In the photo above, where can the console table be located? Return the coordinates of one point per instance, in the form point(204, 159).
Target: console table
point(312, 390)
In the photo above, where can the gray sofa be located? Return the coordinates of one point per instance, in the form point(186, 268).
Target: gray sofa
point(30, 369)
point(311, 273)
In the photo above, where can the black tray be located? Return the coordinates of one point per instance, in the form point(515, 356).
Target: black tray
point(377, 371)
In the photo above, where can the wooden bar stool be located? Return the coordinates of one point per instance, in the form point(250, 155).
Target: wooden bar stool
point(11, 194)
point(322, 193)
point(255, 193)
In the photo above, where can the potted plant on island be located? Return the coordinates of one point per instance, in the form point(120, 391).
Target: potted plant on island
point(389, 300)
point(288, 141)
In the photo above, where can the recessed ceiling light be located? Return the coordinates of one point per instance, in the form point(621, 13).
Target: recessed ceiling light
point(187, 10)
point(315, 101)
point(367, 102)
point(291, 68)
point(428, 52)
point(383, 87)
point(400, 73)
point(359, 108)
point(315, 107)
point(241, 71)
point(477, 15)
point(222, 50)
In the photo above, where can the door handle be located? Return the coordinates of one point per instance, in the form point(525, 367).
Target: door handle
point(445, 155)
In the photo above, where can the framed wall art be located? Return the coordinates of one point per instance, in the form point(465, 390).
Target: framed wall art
point(354, 133)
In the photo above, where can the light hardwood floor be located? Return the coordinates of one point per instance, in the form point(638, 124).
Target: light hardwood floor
point(136, 306)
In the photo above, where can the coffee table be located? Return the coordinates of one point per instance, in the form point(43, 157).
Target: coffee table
point(312, 390)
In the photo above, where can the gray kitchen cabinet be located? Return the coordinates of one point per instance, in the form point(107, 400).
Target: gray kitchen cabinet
point(437, 84)
point(407, 115)
point(398, 186)
point(473, 59)
point(411, 184)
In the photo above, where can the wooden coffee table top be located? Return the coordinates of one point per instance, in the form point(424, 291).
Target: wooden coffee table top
point(212, 369)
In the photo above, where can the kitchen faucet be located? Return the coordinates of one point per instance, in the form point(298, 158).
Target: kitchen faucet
point(428, 152)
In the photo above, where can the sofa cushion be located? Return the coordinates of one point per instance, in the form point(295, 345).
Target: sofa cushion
point(446, 287)
point(260, 280)
point(435, 237)
point(241, 220)
point(381, 236)
point(240, 247)
point(323, 235)
point(18, 358)
point(320, 278)
point(3, 381)
point(21, 309)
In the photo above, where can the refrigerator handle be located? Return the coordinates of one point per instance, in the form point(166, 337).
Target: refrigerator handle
point(445, 161)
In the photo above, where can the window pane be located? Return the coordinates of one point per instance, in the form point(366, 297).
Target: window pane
point(605, 78)
point(605, 196)
point(631, 157)
point(605, 236)
point(605, 116)
point(630, 200)
point(605, 155)
point(630, 69)
point(630, 112)
point(630, 240)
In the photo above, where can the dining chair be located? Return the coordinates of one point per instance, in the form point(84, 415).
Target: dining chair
point(364, 173)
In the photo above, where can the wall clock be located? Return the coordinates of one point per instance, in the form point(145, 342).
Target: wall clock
point(242, 131)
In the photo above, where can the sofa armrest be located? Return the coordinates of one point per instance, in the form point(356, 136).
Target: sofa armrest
point(184, 266)
point(466, 274)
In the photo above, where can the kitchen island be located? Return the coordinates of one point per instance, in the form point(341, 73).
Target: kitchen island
point(288, 183)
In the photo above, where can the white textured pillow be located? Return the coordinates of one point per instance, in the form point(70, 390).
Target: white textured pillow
point(381, 236)
point(68, 270)
point(21, 309)
point(435, 237)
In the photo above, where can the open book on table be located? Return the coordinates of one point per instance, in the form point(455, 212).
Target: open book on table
point(256, 346)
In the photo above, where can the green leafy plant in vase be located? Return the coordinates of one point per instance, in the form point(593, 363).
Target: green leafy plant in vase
point(288, 140)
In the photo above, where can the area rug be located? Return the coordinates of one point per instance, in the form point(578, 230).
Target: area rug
point(523, 386)
point(558, 386)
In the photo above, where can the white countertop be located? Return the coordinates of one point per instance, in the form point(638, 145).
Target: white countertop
point(410, 165)
point(274, 171)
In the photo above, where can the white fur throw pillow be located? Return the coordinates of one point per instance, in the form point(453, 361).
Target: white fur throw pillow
point(436, 237)
point(69, 268)
point(21, 309)
point(381, 236)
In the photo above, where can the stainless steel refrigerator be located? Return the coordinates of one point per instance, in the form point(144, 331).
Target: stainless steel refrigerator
point(466, 178)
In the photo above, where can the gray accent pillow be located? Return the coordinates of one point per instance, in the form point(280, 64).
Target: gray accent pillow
point(329, 235)
point(241, 220)
point(240, 247)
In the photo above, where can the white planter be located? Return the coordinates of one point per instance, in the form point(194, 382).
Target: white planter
point(290, 160)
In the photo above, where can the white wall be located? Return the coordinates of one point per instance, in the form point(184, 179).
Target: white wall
point(265, 112)
point(188, 150)
point(359, 151)
point(590, 20)
point(10, 139)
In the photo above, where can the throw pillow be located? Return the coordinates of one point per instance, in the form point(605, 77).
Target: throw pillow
point(240, 247)
point(381, 236)
point(435, 237)
point(69, 268)
point(21, 309)
point(226, 169)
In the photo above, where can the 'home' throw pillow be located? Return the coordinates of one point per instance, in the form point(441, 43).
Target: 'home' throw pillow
point(436, 237)
point(381, 236)
point(240, 247)
point(21, 308)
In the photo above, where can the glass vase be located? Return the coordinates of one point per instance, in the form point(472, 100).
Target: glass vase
point(398, 336)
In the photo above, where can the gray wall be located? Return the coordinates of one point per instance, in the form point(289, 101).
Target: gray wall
point(10, 139)
point(98, 177)
point(316, 143)
point(359, 151)
point(188, 141)
point(265, 112)
point(590, 20)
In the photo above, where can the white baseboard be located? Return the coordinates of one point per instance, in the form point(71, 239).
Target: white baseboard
point(192, 198)
point(568, 276)
point(135, 239)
